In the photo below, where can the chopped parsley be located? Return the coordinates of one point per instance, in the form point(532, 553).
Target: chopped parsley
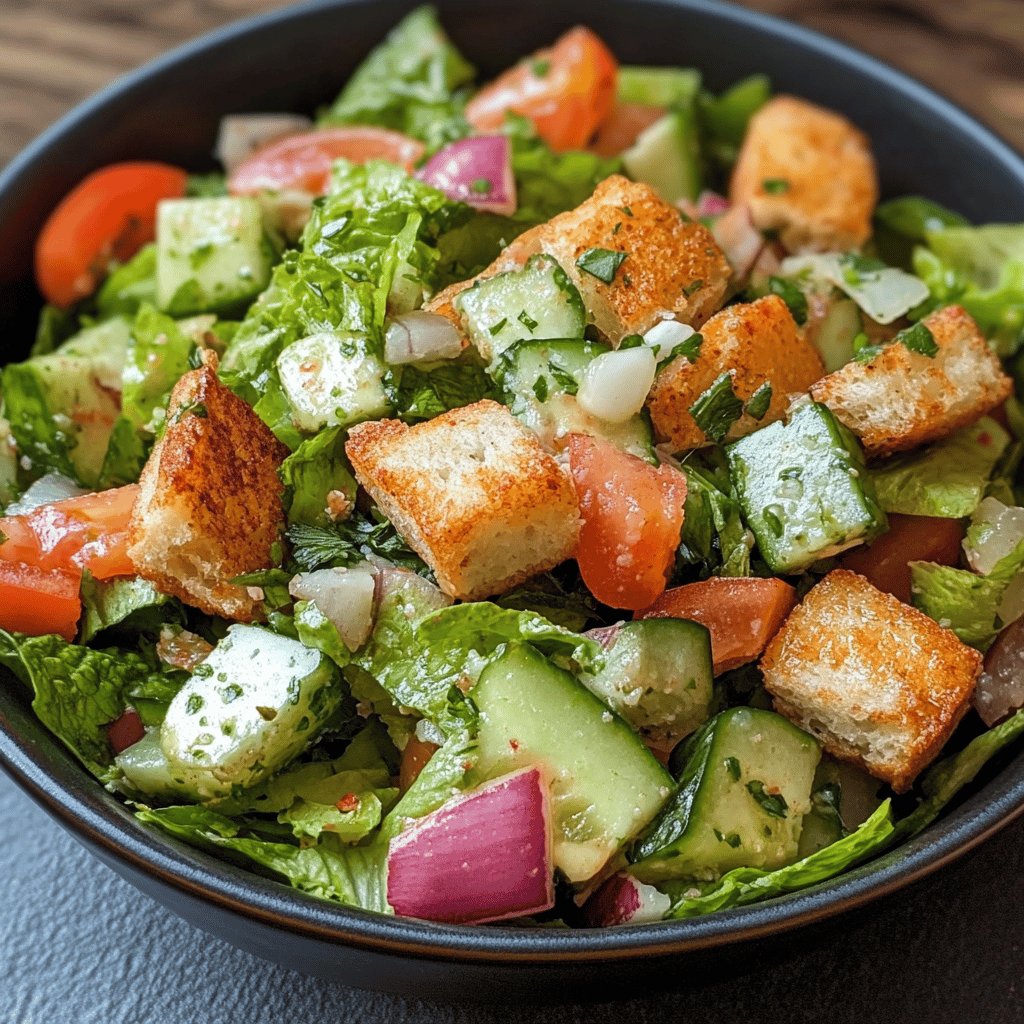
point(496, 328)
point(771, 803)
point(856, 267)
point(565, 380)
point(190, 409)
point(775, 186)
point(601, 263)
point(863, 350)
point(481, 186)
point(540, 68)
point(527, 321)
point(732, 766)
point(689, 348)
point(791, 296)
point(760, 400)
point(732, 839)
point(919, 339)
point(627, 211)
point(717, 409)
point(693, 287)
point(540, 388)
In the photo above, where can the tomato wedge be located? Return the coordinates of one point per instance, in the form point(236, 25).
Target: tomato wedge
point(39, 601)
point(303, 162)
point(885, 562)
point(623, 125)
point(632, 515)
point(89, 532)
point(108, 216)
point(741, 613)
point(414, 759)
point(566, 91)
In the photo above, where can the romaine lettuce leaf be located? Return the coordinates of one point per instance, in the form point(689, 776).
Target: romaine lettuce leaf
point(126, 604)
point(902, 222)
point(411, 82)
point(958, 599)
point(55, 327)
point(560, 596)
point(317, 467)
point(129, 286)
point(39, 438)
point(948, 479)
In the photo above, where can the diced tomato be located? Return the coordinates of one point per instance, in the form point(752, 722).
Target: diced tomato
point(108, 216)
point(414, 759)
point(741, 613)
point(624, 124)
point(566, 91)
point(125, 731)
point(303, 162)
point(38, 601)
point(885, 562)
point(88, 532)
point(632, 516)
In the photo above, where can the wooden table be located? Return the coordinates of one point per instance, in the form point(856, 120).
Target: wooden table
point(53, 53)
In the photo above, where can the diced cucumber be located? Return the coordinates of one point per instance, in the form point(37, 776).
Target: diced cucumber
point(104, 346)
point(538, 301)
point(147, 769)
point(212, 254)
point(804, 489)
point(842, 797)
point(657, 87)
point(666, 156)
point(540, 379)
point(605, 785)
point(332, 380)
point(658, 675)
point(741, 800)
point(834, 337)
point(256, 702)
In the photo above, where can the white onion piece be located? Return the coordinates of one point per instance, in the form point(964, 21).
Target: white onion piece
point(240, 135)
point(665, 335)
point(1011, 606)
point(477, 171)
point(421, 337)
point(344, 596)
point(885, 294)
point(741, 242)
point(45, 491)
point(1000, 688)
point(615, 384)
point(996, 530)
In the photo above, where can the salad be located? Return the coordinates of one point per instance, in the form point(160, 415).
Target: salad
point(567, 500)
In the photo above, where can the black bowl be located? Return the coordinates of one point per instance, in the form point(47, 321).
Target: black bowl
point(294, 60)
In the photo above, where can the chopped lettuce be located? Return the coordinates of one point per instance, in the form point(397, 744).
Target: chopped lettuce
point(125, 604)
point(315, 469)
point(958, 599)
point(902, 222)
point(412, 82)
point(750, 885)
point(947, 479)
point(45, 446)
point(559, 596)
point(55, 327)
point(130, 286)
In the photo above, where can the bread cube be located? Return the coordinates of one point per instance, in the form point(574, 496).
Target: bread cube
point(755, 342)
point(209, 506)
point(877, 682)
point(807, 173)
point(902, 399)
point(473, 493)
point(672, 266)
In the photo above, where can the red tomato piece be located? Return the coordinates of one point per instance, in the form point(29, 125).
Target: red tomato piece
point(632, 515)
point(741, 613)
point(567, 91)
point(108, 216)
point(885, 562)
point(624, 124)
point(39, 601)
point(126, 730)
point(303, 162)
point(414, 759)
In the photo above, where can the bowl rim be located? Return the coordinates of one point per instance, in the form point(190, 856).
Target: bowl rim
point(86, 813)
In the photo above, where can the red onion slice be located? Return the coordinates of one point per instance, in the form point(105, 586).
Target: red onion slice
point(485, 856)
point(624, 900)
point(741, 242)
point(477, 171)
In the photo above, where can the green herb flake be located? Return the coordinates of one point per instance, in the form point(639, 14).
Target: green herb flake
point(759, 402)
point(565, 380)
point(601, 263)
point(863, 350)
point(540, 68)
point(919, 339)
point(194, 704)
point(527, 321)
point(771, 803)
point(732, 766)
point(481, 186)
point(693, 287)
point(540, 388)
point(627, 211)
point(498, 327)
point(791, 296)
point(775, 186)
point(717, 408)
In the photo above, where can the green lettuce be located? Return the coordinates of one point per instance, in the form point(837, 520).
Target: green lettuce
point(750, 885)
point(40, 438)
point(948, 479)
point(903, 222)
point(350, 541)
point(560, 596)
point(412, 82)
point(130, 286)
point(317, 467)
point(124, 604)
point(55, 327)
point(432, 389)
point(958, 599)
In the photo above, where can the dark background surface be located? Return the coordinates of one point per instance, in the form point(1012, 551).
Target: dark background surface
point(77, 944)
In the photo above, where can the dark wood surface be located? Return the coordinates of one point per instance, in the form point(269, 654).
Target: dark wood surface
point(53, 53)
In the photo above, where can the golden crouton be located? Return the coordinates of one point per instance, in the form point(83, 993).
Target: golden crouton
point(902, 399)
point(878, 682)
point(755, 342)
point(672, 265)
point(473, 492)
point(807, 173)
point(209, 505)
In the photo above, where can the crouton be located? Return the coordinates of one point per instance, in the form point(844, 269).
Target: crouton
point(755, 342)
point(902, 399)
point(673, 267)
point(807, 173)
point(877, 682)
point(209, 505)
point(473, 492)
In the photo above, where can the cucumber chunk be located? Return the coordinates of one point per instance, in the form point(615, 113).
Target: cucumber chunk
point(147, 769)
point(538, 301)
point(666, 156)
point(212, 254)
point(834, 337)
point(539, 380)
point(804, 489)
point(605, 785)
point(741, 800)
point(256, 702)
point(658, 675)
point(332, 380)
point(657, 87)
point(842, 798)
